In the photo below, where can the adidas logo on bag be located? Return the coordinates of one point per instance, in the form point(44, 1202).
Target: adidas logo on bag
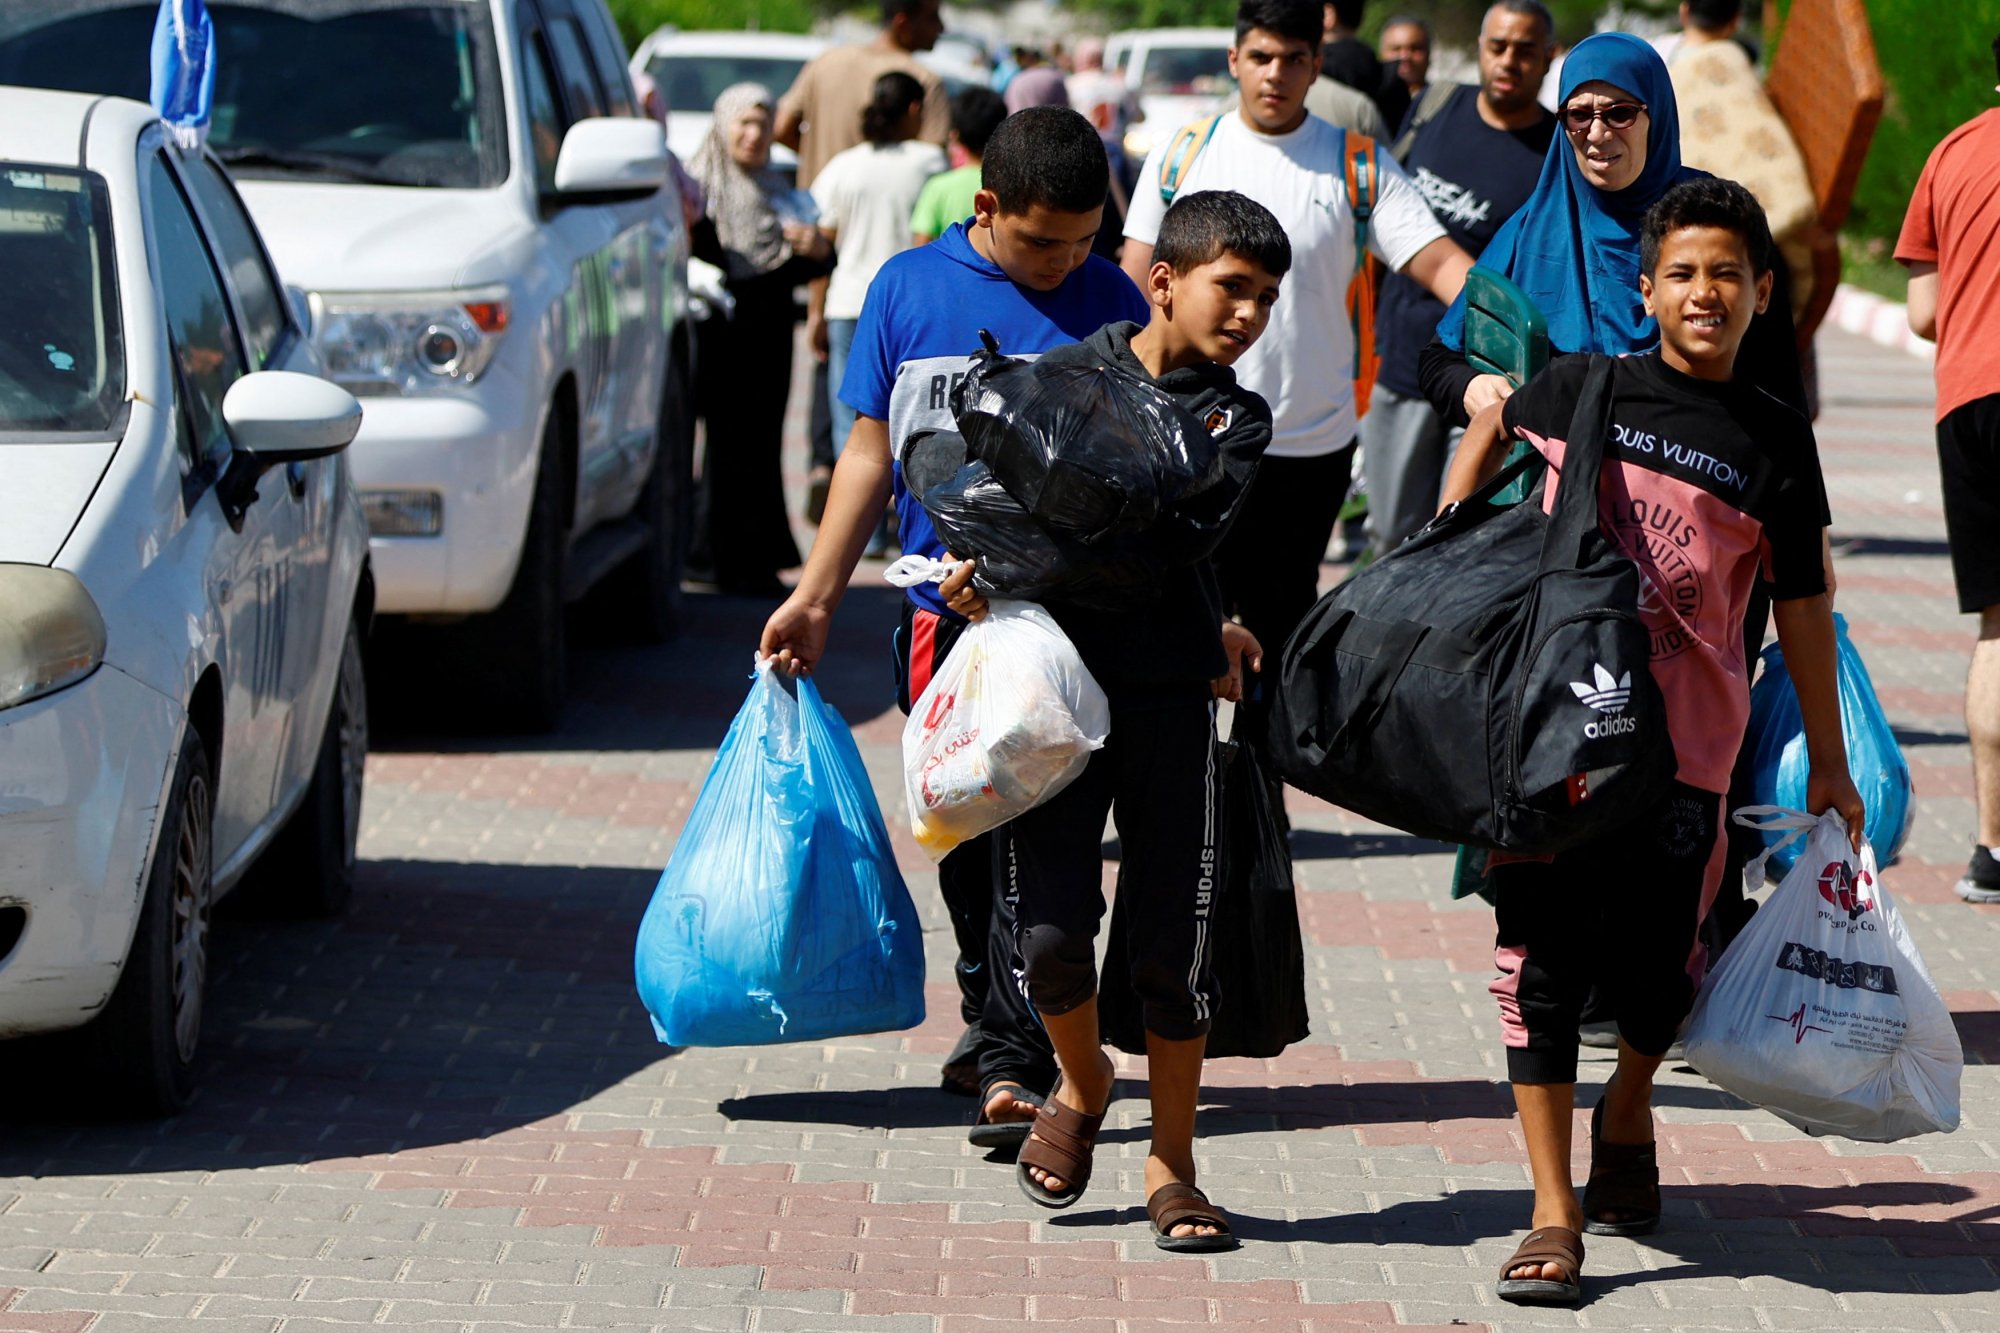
point(1608, 695)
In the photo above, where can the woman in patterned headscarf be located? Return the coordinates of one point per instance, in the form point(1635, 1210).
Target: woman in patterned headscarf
point(741, 528)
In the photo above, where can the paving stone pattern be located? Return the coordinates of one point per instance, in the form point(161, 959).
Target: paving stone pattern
point(446, 1111)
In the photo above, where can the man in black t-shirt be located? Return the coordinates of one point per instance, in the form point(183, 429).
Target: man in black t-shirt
point(1475, 161)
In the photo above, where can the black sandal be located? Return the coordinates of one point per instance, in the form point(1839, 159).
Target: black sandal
point(1625, 1180)
point(1002, 1133)
point(1545, 1245)
point(1174, 1205)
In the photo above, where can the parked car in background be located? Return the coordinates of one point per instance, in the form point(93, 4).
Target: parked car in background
point(475, 211)
point(184, 590)
point(1180, 74)
point(692, 68)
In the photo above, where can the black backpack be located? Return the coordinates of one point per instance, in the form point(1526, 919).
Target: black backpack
point(1486, 682)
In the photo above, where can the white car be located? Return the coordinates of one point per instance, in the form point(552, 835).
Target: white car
point(692, 68)
point(495, 260)
point(184, 587)
point(1180, 75)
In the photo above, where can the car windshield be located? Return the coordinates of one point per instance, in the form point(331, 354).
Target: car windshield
point(693, 82)
point(1179, 71)
point(62, 360)
point(383, 91)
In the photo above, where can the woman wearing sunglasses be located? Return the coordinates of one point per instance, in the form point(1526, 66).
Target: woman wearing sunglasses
point(1573, 248)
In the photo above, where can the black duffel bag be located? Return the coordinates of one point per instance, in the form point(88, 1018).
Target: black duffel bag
point(1486, 682)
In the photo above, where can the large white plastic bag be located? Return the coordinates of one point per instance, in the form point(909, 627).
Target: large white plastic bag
point(1822, 1011)
point(1009, 720)
point(781, 915)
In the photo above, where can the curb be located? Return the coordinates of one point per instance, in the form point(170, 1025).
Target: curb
point(1883, 322)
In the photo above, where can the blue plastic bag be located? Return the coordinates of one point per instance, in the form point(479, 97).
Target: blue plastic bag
point(1778, 750)
point(781, 915)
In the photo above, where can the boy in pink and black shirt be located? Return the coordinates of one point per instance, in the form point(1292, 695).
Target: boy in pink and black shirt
point(1706, 481)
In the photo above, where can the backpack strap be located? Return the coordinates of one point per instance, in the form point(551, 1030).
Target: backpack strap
point(1363, 176)
point(1187, 144)
point(1432, 102)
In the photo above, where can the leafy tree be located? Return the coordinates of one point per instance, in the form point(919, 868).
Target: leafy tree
point(636, 18)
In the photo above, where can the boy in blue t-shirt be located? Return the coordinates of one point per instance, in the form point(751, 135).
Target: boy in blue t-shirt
point(1023, 269)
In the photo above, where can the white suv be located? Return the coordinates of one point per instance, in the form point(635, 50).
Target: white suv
point(487, 237)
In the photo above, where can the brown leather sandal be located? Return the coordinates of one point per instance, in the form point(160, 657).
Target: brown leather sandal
point(1177, 1204)
point(1545, 1245)
point(1625, 1180)
point(1060, 1142)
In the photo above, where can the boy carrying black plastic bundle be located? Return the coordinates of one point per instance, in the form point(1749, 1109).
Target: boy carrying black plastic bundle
point(1705, 479)
point(1162, 664)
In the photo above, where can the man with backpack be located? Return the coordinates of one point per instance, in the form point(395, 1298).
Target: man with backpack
point(1340, 197)
point(1474, 155)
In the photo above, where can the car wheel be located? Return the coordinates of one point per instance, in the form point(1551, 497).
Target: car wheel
point(308, 871)
point(640, 601)
point(508, 665)
point(143, 1044)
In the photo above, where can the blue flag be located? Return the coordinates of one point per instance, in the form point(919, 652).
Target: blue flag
point(184, 69)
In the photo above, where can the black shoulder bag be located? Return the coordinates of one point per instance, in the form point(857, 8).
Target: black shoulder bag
point(1486, 682)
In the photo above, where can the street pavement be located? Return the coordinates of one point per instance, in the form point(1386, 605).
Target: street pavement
point(447, 1111)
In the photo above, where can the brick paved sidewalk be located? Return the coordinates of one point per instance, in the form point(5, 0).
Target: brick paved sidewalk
point(447, 1110)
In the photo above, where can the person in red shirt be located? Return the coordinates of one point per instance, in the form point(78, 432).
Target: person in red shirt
point(1951, 245)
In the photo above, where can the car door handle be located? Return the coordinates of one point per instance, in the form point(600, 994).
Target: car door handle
point(295, 480)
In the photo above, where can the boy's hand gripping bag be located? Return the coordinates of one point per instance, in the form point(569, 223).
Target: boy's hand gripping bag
point(781, 915)
point(1009, 720)
point(1821, 1011)
point(1777, 743)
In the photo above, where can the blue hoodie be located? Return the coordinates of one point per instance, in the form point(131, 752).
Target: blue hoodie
point(919, 328)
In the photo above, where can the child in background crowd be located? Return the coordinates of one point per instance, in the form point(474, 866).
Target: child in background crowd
point(947, 197)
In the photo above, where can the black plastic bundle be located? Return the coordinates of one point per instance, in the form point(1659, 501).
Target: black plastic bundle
point(1019, 557)
point(1090, 451)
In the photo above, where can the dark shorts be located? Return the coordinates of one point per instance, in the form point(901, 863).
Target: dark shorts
point(1969, 463)
point(1617, 915)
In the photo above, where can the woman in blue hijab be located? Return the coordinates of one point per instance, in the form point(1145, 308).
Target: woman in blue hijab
point(1573, 248)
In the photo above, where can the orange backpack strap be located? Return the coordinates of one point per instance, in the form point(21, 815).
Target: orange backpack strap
point(1363, 173)
point(1187, 144)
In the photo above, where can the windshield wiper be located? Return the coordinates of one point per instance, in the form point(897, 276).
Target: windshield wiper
point(315, 164)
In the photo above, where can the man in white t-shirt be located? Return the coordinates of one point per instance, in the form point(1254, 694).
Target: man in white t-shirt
point(1272, 150)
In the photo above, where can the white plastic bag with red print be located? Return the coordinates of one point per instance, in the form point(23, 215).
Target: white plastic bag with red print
point(1821, 1011)
point(1009, 720)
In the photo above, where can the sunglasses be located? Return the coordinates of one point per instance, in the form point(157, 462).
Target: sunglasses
point(1617, 116)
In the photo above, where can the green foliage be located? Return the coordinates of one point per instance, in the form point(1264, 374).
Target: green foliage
point(636, 18)
point(1937, 73)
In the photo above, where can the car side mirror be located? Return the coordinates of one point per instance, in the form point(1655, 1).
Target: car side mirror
point(276, 418)
point(281, 416)
point(612, 155)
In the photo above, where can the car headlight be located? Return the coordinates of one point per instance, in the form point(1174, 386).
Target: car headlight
point(51, 635)
point(377, 344)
